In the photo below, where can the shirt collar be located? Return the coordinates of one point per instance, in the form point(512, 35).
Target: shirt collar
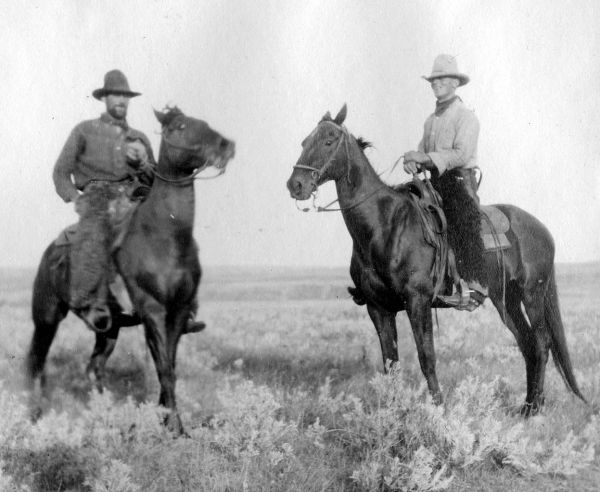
point(440, 107)
point(106, 118)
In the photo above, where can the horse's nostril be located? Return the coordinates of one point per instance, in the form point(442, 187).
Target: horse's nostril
point(224, 143)
point(294, 186)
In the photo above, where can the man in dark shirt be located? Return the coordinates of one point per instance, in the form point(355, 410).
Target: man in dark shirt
point(100, 166)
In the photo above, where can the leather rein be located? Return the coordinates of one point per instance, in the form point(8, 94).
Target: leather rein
point(317, 174)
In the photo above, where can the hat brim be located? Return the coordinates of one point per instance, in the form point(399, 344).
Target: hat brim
point(462, 78)
point(100, 93)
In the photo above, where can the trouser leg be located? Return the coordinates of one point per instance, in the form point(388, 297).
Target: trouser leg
point(90, 261)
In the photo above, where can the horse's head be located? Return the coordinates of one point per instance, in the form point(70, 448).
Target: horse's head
point(324, 153)
point(189, 145)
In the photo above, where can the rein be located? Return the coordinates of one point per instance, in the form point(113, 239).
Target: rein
point(326, 209)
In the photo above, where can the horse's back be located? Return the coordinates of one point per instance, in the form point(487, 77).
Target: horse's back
point(523, 224)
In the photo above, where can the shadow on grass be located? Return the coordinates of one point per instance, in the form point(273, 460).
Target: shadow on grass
point(281, 370)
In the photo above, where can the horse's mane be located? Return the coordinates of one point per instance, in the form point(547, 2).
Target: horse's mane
point(170, 114)
point(363, 144)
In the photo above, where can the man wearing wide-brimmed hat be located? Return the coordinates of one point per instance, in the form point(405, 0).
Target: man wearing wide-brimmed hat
point(101, 163)
point(451, 132)
point(449, 150)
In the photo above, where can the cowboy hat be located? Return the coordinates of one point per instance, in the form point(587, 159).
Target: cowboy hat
point(446, 66)
point(114, 83)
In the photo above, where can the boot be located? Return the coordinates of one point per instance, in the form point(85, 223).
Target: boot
point(193, 326)
point(123, 319)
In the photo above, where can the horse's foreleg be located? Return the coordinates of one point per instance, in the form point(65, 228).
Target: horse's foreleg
point(385, 324)
point(162, 340)
point(104, 347)
point(419, 313)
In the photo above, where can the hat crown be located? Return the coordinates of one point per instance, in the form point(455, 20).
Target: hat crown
point(447, 66)
point(116, 81)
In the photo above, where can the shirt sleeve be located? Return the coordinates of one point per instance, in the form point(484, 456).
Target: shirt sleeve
point(65, 165)
point(464, 146)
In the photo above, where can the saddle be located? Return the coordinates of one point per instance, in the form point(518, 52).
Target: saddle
point(119, 221)
point(494, 226)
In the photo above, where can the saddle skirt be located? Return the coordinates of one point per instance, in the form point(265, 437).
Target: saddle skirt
point(120, 218)
point(494, 226)
point(494, 223)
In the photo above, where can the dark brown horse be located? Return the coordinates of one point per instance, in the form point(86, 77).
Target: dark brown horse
point(391, 261)
point(158, 260)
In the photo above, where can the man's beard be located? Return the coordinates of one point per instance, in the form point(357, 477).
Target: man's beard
point(118, 112)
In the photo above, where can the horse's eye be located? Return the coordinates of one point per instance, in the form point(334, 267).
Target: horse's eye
point(182, 126)
point(328, 143)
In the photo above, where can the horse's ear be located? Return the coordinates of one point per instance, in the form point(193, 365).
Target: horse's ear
point(341, 116)
point(160, 116)
point(327, 117)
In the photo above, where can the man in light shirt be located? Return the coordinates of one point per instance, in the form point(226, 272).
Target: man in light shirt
point(448, 150)
point(451, 132)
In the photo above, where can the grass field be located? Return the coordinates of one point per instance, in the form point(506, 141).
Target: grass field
point(283, 391)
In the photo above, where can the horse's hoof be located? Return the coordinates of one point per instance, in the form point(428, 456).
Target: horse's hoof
point(95, 380)
point(530, 409)
point(35, 414)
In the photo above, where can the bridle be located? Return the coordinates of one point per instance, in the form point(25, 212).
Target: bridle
point(196, 149)
point(317, 174)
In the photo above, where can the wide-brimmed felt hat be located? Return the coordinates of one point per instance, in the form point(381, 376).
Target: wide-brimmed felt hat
point(115, 82)
point(446, 66)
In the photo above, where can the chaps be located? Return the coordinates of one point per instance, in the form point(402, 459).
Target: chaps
point(90, 258)
point(460, 205)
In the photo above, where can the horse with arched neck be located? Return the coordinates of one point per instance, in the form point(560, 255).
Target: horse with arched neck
point(157, 259)
point(391, 261)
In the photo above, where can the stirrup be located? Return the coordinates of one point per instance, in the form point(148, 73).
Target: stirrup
point(466, 300)
point(98, 319)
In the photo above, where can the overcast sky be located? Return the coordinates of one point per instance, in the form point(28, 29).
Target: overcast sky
point(264, 72)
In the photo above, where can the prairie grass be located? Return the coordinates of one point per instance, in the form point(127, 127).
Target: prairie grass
point(284, 392)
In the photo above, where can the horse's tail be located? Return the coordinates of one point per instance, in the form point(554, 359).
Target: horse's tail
point(558, 346)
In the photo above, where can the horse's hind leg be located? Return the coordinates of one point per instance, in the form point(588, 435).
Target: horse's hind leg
point(48, 311)
point(104, 347)
point(533, 301)
point(532, 344)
